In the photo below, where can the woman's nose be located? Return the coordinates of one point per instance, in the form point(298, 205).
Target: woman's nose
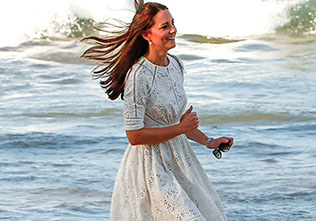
point(173, 29)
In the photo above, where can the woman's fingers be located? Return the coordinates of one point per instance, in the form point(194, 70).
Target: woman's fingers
point(193, 115)
point(192, 118)
point(190, 122)
point(230, 140)
point(189, 110)
point(186, 113)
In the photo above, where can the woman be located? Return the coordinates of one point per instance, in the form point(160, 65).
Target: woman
point(160, 177)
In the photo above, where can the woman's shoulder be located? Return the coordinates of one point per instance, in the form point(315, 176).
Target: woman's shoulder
point(140, 70)
point(176, 62)
point(142, 66)
point(174, 58)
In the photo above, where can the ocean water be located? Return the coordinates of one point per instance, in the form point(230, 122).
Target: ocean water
point(250, 74)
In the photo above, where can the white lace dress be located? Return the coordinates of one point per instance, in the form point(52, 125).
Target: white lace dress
point(162, 182)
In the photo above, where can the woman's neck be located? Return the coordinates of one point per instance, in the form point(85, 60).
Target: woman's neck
point(157, 58)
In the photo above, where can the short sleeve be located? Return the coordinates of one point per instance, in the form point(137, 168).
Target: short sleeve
point(135, 96)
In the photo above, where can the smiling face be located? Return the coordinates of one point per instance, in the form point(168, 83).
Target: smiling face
point(161, 36)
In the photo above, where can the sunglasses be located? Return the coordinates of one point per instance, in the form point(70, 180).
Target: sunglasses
point(223, 147)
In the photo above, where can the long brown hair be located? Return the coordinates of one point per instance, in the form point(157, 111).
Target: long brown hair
point(119, 51)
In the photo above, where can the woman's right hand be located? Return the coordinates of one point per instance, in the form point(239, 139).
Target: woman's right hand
point(189, 121)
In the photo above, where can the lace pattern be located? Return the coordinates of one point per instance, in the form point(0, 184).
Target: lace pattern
point(154, 95)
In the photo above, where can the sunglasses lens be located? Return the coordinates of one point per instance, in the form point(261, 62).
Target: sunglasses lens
point(217, 153)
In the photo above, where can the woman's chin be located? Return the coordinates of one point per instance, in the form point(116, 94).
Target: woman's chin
point(172, 45)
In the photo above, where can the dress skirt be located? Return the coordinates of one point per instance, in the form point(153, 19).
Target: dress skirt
point(164, 182)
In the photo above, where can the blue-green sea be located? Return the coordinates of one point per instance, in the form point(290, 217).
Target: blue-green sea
point(61, 139)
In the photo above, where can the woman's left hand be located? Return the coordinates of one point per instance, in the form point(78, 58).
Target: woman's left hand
point(214, 144)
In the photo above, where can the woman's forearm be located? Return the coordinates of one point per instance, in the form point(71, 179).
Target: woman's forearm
point(188, 122)
point(153, 135)
point(159, 135)
point(197, 136)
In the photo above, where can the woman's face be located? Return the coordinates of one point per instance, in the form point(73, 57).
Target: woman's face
point(162, 34)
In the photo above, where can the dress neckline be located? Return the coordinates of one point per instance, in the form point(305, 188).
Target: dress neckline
point(148, 61)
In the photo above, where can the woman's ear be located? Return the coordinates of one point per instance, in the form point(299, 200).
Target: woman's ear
point(145, 35)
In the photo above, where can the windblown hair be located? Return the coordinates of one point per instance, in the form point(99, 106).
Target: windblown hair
point(122, 48)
